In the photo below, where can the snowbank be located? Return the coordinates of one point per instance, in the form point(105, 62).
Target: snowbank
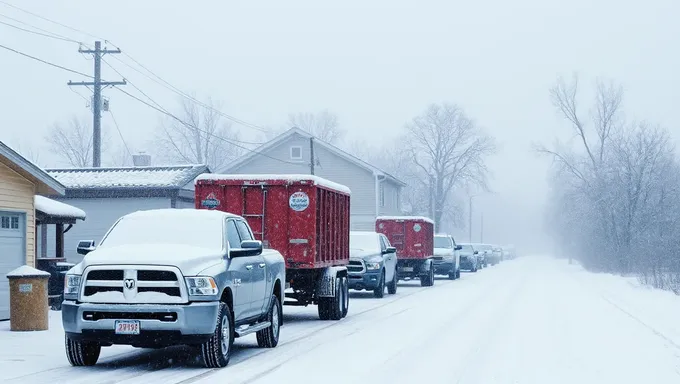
point(292, 178)
point(57, 209)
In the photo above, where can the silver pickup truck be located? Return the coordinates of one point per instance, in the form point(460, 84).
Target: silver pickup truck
point(173, 276)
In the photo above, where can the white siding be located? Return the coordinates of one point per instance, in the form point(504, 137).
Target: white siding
point(183, 204)
point(391, 199)
point(101, 214)
point(330, 166)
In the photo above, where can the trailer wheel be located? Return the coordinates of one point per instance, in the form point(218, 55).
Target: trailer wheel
point(217, 351)
point(269, 337)
point(392, 286)
point(427, 280)
point(379, 291)
point(345, 293)
point(331, 308)
point(82, 354)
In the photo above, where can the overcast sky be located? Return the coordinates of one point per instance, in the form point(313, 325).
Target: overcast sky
point(375, 63)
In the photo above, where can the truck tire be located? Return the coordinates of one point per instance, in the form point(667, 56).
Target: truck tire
point(392, 286)
point(379, 291)
point(330, 308)
point(452, 275)
point(217, 351)
point(269, 337)
point(345, 286)
point(458, 273)
point(82, 353)
point(428, 280)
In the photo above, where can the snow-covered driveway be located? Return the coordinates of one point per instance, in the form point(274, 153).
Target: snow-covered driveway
point(531, 320)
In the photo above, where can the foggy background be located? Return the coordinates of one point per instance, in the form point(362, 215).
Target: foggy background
point(376, 64)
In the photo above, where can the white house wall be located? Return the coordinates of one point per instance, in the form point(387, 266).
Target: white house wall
point(101, 214)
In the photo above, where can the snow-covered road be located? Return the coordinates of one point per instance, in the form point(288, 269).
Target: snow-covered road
point(531, 320)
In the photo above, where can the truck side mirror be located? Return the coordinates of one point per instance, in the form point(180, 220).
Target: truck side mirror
point(459, 247)
point(476, 252)
point(389, 250)
point(248, 248)
point(85, 247)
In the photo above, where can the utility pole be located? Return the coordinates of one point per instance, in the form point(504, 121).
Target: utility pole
point(470, 219)
point(481, 232)
point(311, 155)
point(97, 84)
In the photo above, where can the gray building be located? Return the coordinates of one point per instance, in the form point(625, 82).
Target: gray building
point(374, 191)
point(106, 194)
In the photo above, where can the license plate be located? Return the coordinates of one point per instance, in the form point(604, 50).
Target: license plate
point(127, 327)
point(406, 269)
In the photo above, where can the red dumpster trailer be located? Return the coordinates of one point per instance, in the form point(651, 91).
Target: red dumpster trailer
point(305, 218)
point(413, 236)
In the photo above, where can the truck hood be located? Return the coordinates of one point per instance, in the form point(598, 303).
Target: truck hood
point(443, 252)
point(189, 259)
point(362, 254)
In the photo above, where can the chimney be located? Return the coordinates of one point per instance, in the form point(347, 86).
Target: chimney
point(141, 160)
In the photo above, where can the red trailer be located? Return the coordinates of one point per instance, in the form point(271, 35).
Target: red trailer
point(413, 236)
point(304, 217)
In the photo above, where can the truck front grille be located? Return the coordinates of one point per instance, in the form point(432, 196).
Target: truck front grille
point(133, 284)
point(355, 266)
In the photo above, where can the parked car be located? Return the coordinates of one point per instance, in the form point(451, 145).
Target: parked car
point(446, 256)
point(468, 257)
point(485, 253)
point(509, 252)
point(304, 217)
point(173, 276)
point(413, 237)
point(496, 255)
point(372, 263)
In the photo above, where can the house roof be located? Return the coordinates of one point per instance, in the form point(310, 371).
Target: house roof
point(330, 147)
point(160, 177)
point(25, 167)
point(57, 209)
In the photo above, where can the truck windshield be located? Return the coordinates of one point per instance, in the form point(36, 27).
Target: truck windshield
point(466, 248)
point(442, 242)
point(153, 230)
point(364, 241)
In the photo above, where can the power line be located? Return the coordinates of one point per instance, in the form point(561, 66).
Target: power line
point(49, 20)
point(120, 133)
point(201, 130)
point(50, 35)
point(44, 61)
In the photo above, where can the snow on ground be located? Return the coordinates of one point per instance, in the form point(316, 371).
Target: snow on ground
point(531, 320)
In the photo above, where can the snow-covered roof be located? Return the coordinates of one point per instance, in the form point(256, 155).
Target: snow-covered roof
point(55, 208)
point(27, 271)
point(180, 213)
point(330, 147)
point(420, 218)
point(292, 178)
point(441, 235)
point(172, 177)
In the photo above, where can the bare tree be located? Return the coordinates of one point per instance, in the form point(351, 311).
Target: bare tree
point(72, 142)
point(201, 137)
point(449, 150)
point(323, 125)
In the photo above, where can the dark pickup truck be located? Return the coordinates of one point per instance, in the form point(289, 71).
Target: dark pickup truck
point(372, 263)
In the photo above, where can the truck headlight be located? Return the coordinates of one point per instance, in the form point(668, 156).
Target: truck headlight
point(72, 285)
point(372, 265)
point(201, 286)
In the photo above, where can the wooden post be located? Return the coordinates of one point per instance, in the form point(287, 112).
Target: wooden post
point(60, 241)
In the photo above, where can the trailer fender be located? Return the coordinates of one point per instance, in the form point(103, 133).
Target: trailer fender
point(325, 285)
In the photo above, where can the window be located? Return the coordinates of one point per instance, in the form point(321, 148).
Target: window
point(232, 235)
point(9, 222)
point(296, 153)
point(382, 195)
point(243, 230)
point(4, 222)
point(15, 222)
point(384, 243)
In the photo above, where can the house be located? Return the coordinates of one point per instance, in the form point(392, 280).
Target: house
point(106, 194)
point(22, 206)
point(374, 191)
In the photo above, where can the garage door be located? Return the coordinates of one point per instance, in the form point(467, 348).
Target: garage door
point(12, 253)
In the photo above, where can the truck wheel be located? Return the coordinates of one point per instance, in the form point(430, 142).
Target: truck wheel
point(427, 280)
point(379, 291)
point(458, 274)
point(452, 275)
point(330, 308)
point(217, 351)
point(269, 337)
point(392, 286)
point(345, 295)
point(82, 353)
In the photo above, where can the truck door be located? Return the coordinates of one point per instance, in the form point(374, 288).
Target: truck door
point(240, 269)
point(259, 298)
